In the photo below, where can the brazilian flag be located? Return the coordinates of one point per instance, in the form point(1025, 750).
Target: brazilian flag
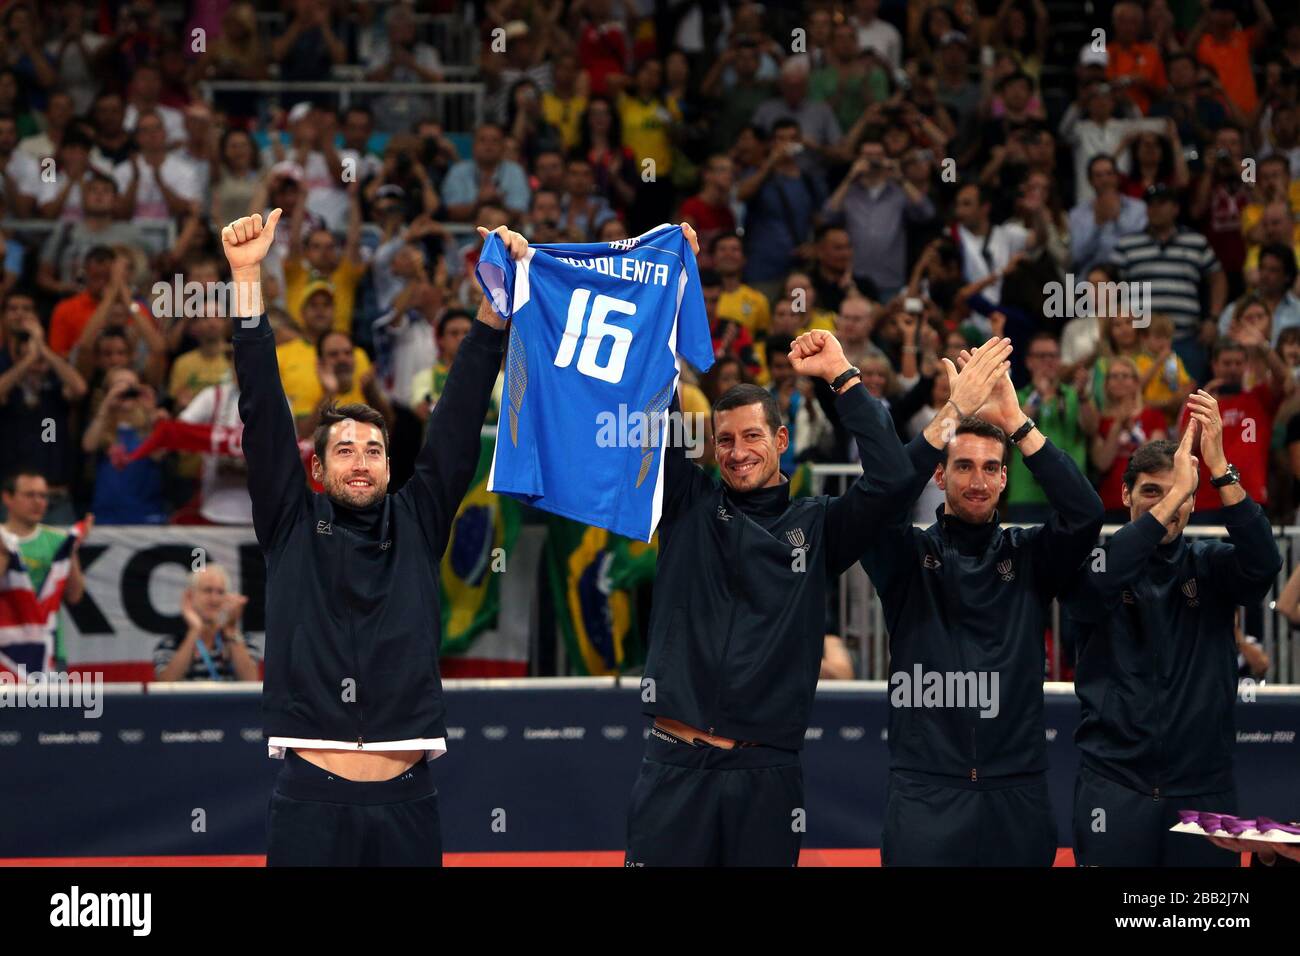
point(592, 574)
point(484, 523)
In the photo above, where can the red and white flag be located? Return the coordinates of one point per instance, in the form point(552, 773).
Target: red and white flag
point(172, 435)
point(28, 619)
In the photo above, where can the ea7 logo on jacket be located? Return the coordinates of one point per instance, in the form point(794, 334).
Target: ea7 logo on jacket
point(931, 562)
point(1007, 570)
point(1189, 589)
point(324, 527)
point(723, 513)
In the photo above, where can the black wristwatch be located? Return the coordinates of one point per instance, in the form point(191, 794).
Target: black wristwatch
point(843, 377)
point(1022, 431)
point(1229, 477)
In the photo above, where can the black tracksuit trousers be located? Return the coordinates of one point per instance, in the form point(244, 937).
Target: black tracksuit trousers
point(320, 819)
point(705, 806)
point(933, 820)
point(1115, 825)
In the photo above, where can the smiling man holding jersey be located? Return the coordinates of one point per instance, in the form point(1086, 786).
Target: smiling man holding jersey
point(352, 697)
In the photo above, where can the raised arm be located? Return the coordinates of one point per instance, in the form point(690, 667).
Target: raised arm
point(74, 386)
point(684, 479)
point(1071, 532)
point(276, 482)
point(747, 188)
point(834, 204)
point(281, 45)
point(75, 589)
point(445, 465)
point(1246, 566)
point(10, 379)
point(854, 516)
point(156, 368)
point(1061, 544)
point(1133, 544)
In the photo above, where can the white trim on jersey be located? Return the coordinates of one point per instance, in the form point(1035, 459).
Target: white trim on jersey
point(656, 511)
point(523, 292)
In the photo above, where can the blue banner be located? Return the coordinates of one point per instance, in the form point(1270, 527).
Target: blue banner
point(531, 766)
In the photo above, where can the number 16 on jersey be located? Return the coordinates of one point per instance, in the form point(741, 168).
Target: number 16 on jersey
point(598, 329)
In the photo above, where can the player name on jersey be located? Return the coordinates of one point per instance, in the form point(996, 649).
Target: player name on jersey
point(631, 270)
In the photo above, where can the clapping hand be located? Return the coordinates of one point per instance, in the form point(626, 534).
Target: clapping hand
point(981, 371)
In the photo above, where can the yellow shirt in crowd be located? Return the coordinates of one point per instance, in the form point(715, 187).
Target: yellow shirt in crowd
point(565, 114)
point(747, 306)
point(821, 319)
point(298, 274)
point(645, 131)
point(297, 361)
point(693, 400)
point(195, 371)
point(1159, 388)
point(1254, 212)
point(1252, 254)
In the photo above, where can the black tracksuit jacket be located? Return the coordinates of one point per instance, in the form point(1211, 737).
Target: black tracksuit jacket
point(1157, 671)
point(961, 598)
point(738, 617)
point(353, 595)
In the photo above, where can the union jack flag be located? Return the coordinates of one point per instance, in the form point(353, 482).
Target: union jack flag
point(28, 619)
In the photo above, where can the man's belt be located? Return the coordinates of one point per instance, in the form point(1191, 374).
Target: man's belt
point(696, 737)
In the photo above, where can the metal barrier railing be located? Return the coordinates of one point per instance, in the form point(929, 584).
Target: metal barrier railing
point(356, 72)
point(372, 231)
point(167, 230)
point(161, 234)
point(861, 619)
point(455, 37)
point(456, 105)
point(559, 684)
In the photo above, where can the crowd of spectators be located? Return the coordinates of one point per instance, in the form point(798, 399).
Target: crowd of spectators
point(1117, 192)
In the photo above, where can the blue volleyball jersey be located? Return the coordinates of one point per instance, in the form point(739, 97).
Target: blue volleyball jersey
point(597, 330)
